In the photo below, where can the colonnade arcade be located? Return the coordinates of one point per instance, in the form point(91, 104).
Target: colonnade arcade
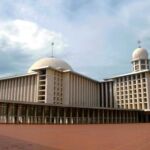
point(45, 114)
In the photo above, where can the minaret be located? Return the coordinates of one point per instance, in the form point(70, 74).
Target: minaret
point(139, 43)
point(140, 59)
point(52, 54)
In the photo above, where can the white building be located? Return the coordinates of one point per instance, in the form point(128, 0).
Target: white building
point(132, 90)
point(52, 92)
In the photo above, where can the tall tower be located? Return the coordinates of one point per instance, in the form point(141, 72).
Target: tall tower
point(140, 59)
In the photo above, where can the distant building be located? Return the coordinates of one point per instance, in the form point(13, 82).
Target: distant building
point(52, 92)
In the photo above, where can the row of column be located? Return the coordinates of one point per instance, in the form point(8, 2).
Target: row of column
point(19, 89)
point(31, 114)
point(106, 94)
point(83, 92)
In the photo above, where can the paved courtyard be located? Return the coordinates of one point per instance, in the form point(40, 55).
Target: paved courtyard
point(75, 137)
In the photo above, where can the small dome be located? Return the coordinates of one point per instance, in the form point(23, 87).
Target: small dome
point(50, 62)
point(139, 53)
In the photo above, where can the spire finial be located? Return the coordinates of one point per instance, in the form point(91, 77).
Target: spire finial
point(52, 44)
point(139, 43)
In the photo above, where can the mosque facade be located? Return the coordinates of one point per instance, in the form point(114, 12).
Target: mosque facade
point(53, 93)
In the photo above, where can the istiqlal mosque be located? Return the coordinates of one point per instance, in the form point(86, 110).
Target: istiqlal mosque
point(53, 93)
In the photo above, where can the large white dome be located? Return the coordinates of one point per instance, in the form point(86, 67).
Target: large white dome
point(139, 53)
point(50, 62)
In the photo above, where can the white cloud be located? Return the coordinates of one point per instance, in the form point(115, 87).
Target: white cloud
point(98, 33)
point(29, 37)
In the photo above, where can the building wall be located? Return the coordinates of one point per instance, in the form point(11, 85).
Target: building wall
point(49, 86)
point(106, 92)
point(54, 86)
point(42, 84)
point(66, 88)
point(131, 91)
point(83, 91)
point(19, 89)
point(148, 88)
point(73, 89)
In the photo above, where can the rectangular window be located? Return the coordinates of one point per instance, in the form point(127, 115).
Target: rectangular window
point(143, 75)
point(136, 68)
point(129, 77)
point(143, 67)
point(145, 105)
point(142, 61)
point(138, 76)
point(136, 62)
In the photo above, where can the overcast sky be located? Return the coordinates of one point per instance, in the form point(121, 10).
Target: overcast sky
point(95, 37)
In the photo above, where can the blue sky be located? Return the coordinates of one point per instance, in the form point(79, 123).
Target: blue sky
point(95, 37)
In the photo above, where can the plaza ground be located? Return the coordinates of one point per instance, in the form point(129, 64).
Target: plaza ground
point(75, 137)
